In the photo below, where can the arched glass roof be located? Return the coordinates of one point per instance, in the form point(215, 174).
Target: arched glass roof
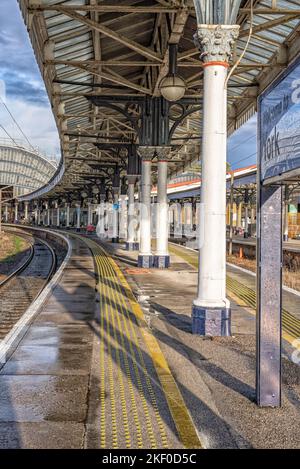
point(24, 170)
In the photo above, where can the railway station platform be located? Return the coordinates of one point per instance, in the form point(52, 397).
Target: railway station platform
point(110, 362)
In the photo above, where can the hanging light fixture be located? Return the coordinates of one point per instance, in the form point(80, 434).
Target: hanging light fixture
point(172, 87)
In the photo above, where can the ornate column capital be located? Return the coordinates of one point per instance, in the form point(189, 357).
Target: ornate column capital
point(215, 42)
point(146, 152)
point(163, 153)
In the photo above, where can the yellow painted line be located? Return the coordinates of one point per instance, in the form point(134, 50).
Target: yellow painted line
point(107, 273)
point(104, 308)
point(180, 414)
point(178, 409)
point(138, 378)
point(102, 386)
point(108, 295)
point(129, 377)
point(241, 293)
point(140, 354)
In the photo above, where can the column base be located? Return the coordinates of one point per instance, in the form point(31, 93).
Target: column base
point(285, 238)
point(146, 262)
point(211, 321)
point(161, 262)
point(132, 246)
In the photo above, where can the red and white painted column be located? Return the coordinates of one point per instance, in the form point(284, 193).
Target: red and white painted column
point(131, 243)
point(162, 258)
point(211, 309)
point(145, 258)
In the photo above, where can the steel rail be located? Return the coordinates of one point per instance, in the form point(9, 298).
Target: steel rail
point(20, 268)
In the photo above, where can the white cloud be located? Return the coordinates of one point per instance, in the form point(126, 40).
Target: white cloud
point(36, 122)
point(242, 145)
point(21, 85)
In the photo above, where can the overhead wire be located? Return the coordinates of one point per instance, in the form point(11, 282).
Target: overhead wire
point(18, 126)
point(245, 48)
point(11, 138)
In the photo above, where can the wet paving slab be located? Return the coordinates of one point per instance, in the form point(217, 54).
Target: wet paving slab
point(66, 317)
point(216, 375)
point(50, 360)
point(41, 435)
point(44, 385)
point(35, 398)
point(64, 335)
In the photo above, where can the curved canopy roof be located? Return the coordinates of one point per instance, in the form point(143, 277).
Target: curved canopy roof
point(113, 50)
point(25, 170)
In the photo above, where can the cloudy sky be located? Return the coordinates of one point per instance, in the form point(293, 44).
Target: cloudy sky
point(241, 148)
point(22, 88)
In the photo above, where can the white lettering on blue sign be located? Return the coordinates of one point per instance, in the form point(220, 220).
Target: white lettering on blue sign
point(279, 131)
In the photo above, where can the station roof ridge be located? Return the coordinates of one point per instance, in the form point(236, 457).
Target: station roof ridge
point(119, 53)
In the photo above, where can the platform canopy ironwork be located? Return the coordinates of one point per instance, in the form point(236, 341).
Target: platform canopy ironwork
point(99, 56)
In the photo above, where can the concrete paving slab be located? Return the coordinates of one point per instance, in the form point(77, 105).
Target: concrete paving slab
point(34, 398)
point(49, 360)
point(216, 376)
point(41, 435)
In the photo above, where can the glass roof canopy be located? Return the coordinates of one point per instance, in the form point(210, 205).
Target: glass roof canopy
point(86, 47)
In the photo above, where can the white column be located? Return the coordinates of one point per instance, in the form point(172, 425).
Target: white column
point(89, 220)
point(6, 213)
point(188, 221)
point(211, 309)
point(38, 216)
point(67, 216)
point(16, 212)
point(77, 218)
point(246, 233)
point(137, 206)
point(122, 217)
point(162, 258)
point(131, 244)
point(115, 216)
point(239, 214)
point(26, 210)
point(252, 221)
point(48, 215)
point(286, 221)
point(145, 258)
point(57, 215)
point(101, 218)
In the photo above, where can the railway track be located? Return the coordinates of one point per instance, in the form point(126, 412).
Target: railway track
point(24, 285)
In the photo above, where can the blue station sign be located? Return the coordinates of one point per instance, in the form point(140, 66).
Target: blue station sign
point(279, 126)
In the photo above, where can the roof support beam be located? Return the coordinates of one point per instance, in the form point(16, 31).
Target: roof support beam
point(271, 11)
point(150, 54)
point(268, 25)
point(115, 78)
point(104, 8)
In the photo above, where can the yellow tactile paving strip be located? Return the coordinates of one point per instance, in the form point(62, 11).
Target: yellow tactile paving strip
point(132, 365)
point(290, 324)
